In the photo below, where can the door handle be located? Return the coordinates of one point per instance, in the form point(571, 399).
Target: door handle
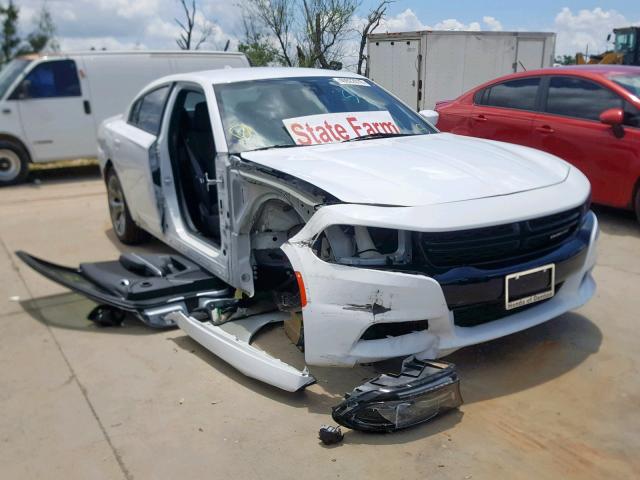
point(480, 118)
point(87, 107)
point(116, 143)
point(545, 129)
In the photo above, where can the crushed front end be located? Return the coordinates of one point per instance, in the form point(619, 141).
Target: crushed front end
point(385, 282)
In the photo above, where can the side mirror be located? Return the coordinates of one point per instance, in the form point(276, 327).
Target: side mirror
point(24, 90)
point(612, 116)
point(615, 118)
point(430, 116)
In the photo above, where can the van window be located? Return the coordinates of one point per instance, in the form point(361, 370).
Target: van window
point(10, 73)
point(53, 79)
point(575, 97)
point(520, 94)
point(146, 112)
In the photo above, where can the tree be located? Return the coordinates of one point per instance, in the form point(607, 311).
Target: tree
point(372, 22)
point(186, 40)
point(256, 46)
point(305, 33)
point(566, 60)
point(275, 17)
point(326, 24)
point(44, 36)
point(9, 39)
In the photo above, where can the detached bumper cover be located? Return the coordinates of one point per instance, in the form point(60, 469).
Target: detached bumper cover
point(393, 402)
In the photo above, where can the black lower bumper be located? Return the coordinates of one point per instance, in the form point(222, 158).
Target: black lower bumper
point(392, 402)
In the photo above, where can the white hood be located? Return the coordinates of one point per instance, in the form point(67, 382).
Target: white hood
point(419, 170)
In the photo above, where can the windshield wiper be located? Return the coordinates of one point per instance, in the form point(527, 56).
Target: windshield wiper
point(379, 135)
point(284, 145)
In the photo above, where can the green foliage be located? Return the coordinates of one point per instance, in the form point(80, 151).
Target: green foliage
point(566, 60)
point(9, 39)
point(44, 34)
point(259, 52)
point(11, 45)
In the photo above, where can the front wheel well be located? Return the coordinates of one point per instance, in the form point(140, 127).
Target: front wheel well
point(107, 167)
point(10, 138)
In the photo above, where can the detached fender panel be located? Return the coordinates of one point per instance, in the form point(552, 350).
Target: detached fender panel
point(231, 342)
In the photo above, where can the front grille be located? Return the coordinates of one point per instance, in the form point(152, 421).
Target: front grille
point(500, 243)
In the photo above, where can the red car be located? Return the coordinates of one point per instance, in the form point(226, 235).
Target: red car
point(588, 115)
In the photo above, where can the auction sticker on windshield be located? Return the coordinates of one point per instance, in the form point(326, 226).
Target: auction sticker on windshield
point(338, 127)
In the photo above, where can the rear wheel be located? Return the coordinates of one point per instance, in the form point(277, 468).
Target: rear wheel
point(636, 203)
point(123, 225)
point(14, 163)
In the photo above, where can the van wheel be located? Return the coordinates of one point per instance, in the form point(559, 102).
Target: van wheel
point(14, 163)
point(123, 225)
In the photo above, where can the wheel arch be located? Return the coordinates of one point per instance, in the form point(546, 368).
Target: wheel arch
point(6, 137)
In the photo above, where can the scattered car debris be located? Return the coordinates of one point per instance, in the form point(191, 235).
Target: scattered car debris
point(389, 402)
point(107, 316)
point(330, 435)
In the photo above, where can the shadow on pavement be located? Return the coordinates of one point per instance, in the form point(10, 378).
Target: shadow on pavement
point(63, 174)
point(69, 311)
point(617, 222)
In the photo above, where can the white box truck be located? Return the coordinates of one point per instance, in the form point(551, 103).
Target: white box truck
point(424, 67)
point(51, 105)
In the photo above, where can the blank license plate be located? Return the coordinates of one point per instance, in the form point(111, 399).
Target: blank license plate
point(530, 286)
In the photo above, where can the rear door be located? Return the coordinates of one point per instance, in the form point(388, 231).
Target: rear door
point(55, 112)
point(570, 128)
point(397, 68)
point(505, 111)
point(530, 53)
point(136, 156)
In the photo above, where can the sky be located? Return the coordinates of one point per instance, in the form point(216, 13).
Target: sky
point(149, 24)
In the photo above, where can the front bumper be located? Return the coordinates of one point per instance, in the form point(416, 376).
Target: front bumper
point(344, 301)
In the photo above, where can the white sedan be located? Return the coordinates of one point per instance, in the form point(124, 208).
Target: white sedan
point(319, 199)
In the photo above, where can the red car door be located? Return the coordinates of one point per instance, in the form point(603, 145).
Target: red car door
point(570, 128)
point(505, 111)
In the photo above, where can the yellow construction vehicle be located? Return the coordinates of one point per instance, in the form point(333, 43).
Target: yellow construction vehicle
point(626, 50)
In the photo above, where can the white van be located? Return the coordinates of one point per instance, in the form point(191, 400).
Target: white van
point(51, 106)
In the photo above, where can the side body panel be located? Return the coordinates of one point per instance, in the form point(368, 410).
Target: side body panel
point(59, 127)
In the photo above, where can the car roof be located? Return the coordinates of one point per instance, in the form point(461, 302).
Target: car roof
point(581, 70)
point(231, 75)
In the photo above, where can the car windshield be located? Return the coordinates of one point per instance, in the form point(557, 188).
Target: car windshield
point(10, 72)
point(629, 82)
point(287, 112)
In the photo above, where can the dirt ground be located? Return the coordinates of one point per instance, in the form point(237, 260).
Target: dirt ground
point(560, 400)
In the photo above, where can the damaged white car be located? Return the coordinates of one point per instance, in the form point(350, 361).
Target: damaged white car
point(317, 198)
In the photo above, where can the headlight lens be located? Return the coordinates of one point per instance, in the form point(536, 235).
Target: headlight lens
point(392, 402)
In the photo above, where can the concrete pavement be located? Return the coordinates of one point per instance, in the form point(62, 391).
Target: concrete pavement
point(557, 401)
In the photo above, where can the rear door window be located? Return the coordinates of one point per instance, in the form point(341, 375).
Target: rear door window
point(579, 98)
point(146, 112)
point(52, 79)
point(520, 94)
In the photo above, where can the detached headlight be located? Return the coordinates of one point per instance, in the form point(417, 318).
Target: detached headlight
point(392, 402)
point(363, 246)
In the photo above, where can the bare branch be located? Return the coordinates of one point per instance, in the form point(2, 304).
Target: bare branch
point(186, 39)
point(373, 21)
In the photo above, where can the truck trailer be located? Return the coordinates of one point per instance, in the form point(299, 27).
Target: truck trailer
point(424, 67)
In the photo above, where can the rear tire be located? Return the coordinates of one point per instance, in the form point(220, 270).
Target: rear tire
point(14, 163)
point(123, 225)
